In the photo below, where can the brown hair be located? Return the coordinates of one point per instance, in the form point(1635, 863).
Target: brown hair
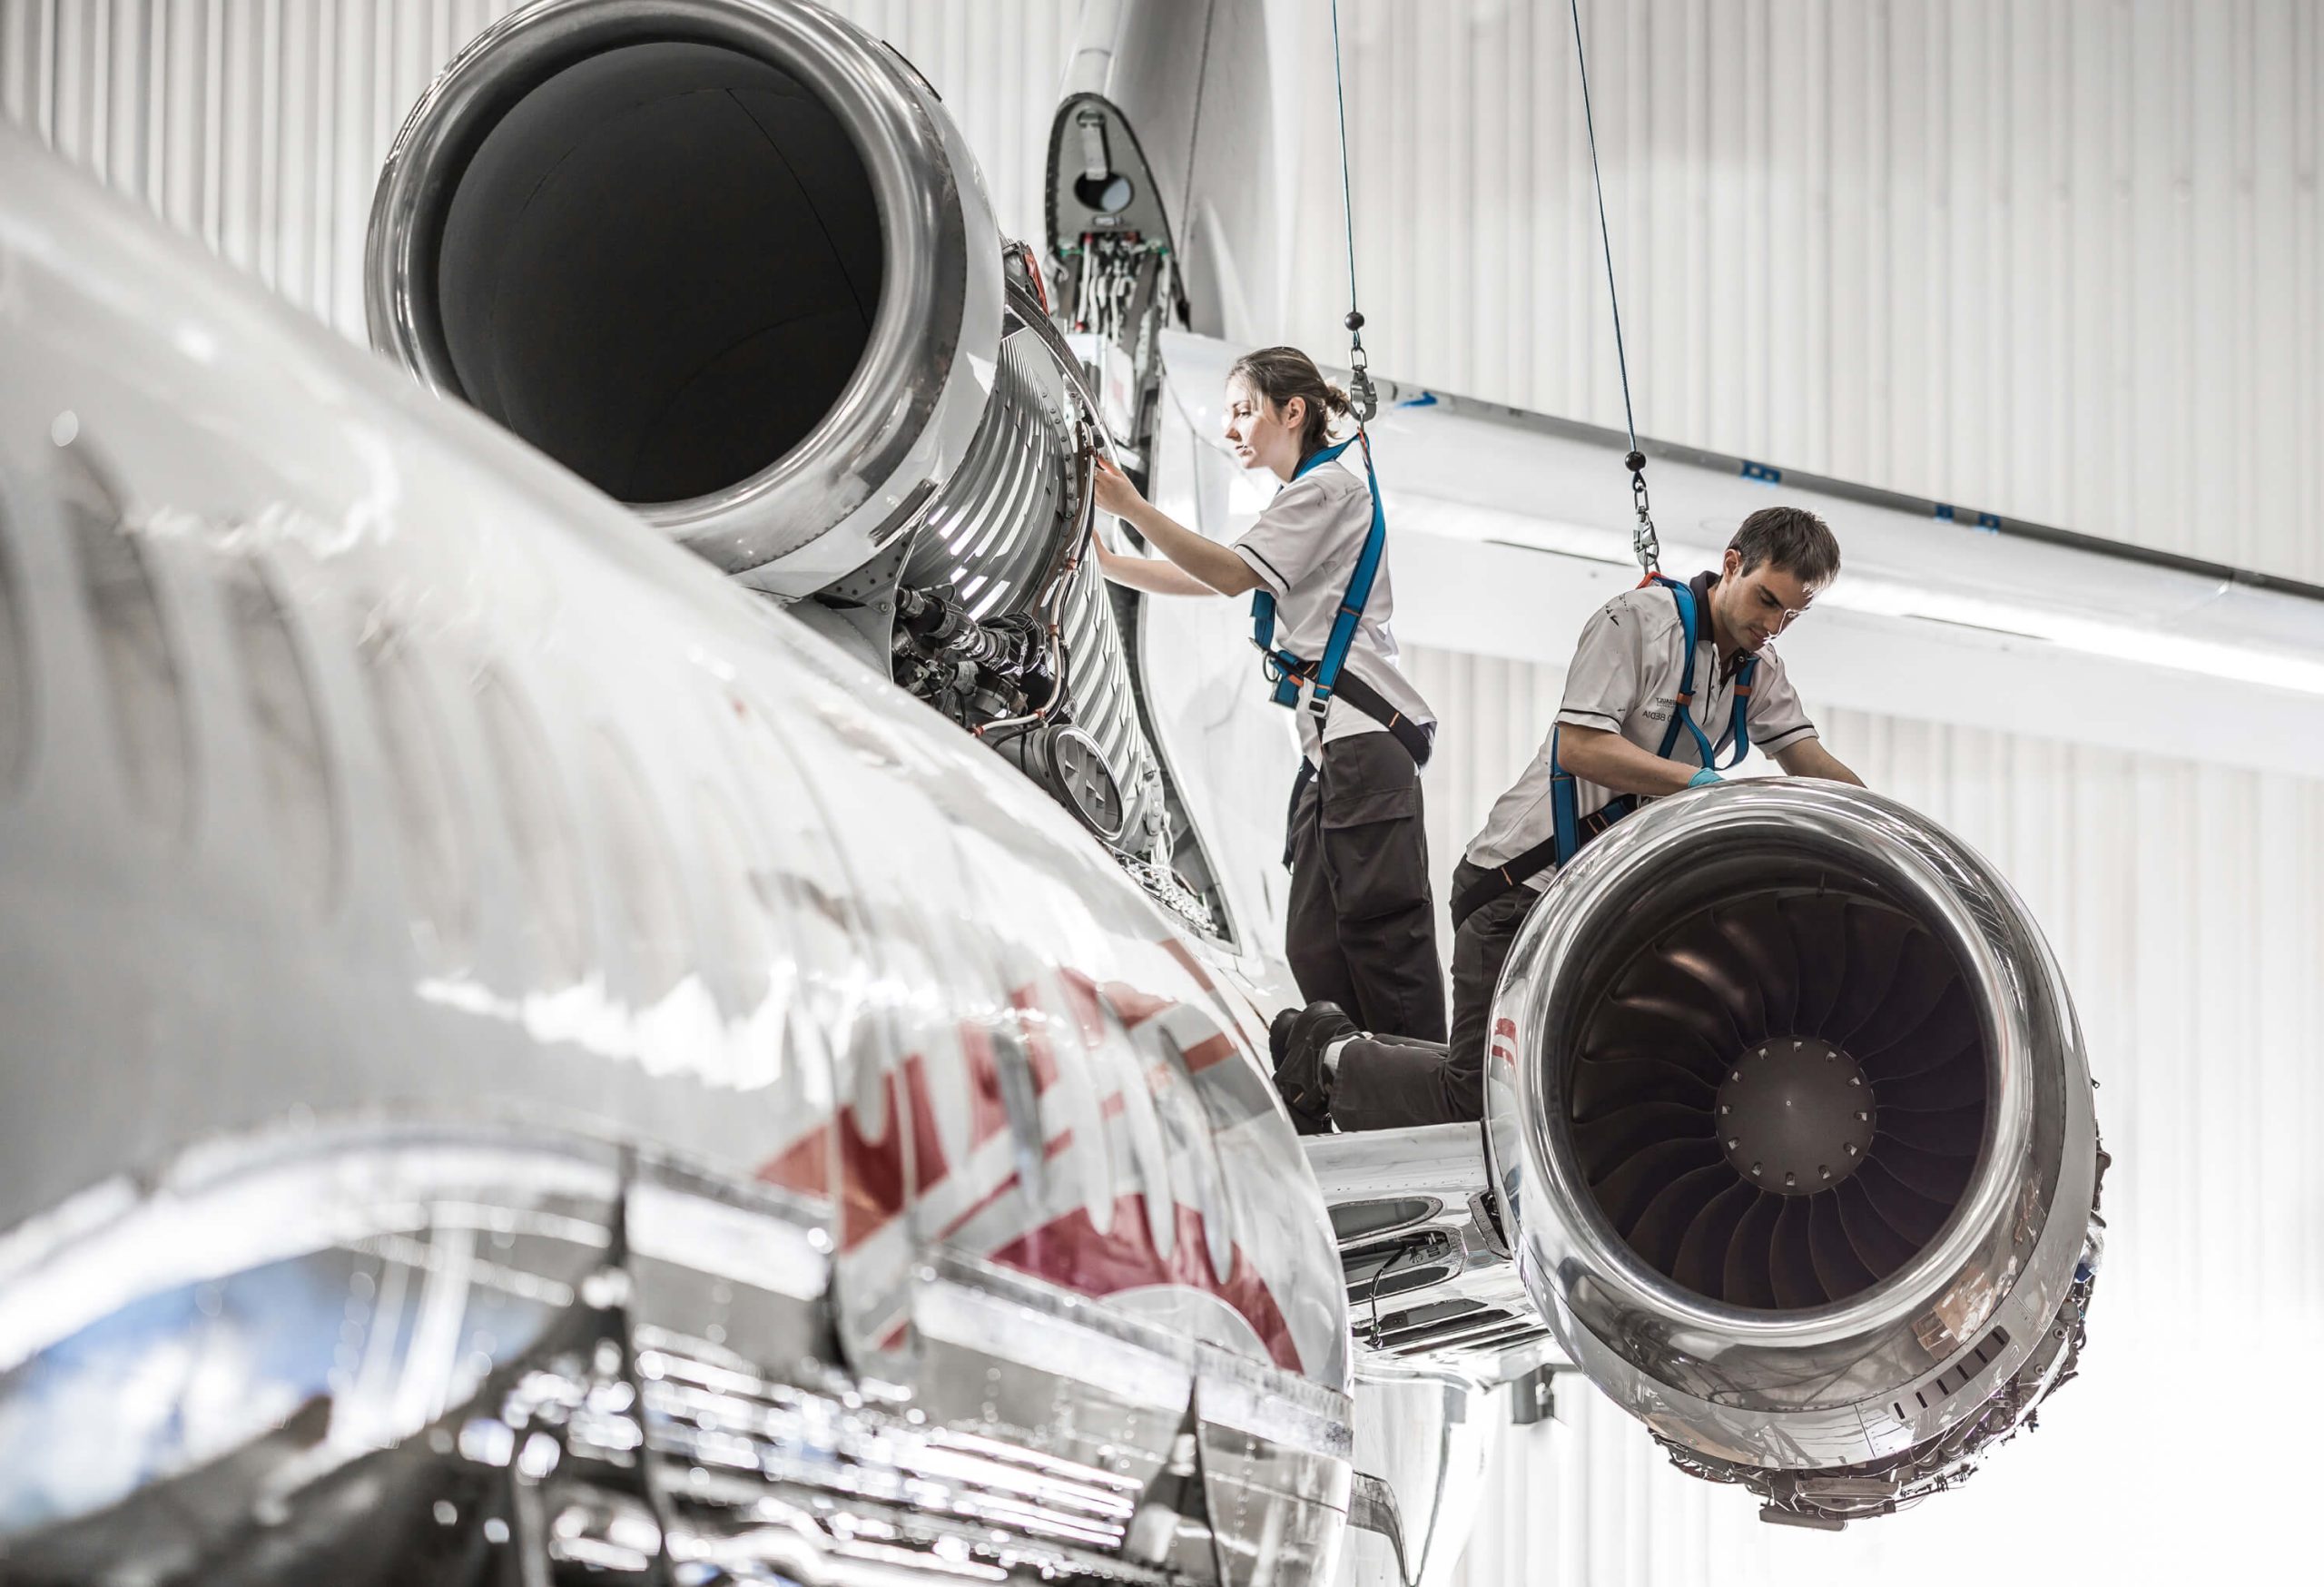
point(1280, 373)
point(1792, 540)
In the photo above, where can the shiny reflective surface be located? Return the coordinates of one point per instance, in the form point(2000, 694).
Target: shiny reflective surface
point(1794, 1380)
point(731, 261)
point(690, 139)
point(879, 1107)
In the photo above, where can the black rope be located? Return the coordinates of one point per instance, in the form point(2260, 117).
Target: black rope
point(1643, 542)
point(1363, 401)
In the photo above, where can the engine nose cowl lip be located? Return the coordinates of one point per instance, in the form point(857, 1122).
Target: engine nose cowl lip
point(1793, 1325)
point(449, 287)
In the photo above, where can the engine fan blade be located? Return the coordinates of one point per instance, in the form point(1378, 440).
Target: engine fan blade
point(1940, 1179)
point(1608, 1138)
point(1790, 1265)
point(1661, 1228)
point(1913, 1216)
point(1875, 941)
point(1819, 938)
point(1956, 1133)
point(1698, 946)
point(1624, 1192)
point(1701, 1261)
point(1664, 990)
point(1837, 1266)
point(1598, 1086)
point(1756, 929)
point(1959, 1082)
point(1951, 1026)
point(1744, 1280)
point(1629, 1033)
point(1924, 974)
point(1876, 1243)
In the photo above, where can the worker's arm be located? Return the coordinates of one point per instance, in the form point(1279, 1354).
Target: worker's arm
point(1151, 573)
point(1611, 761)
point(1809, 758)
point(1214, 569)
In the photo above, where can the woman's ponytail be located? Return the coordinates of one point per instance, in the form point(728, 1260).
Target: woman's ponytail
point(1280, 373)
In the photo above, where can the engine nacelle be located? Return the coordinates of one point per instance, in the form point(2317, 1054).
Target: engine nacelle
point(1788, 1102)
point(731, 261)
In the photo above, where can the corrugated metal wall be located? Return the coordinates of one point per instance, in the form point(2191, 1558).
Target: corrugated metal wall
point(2055, 258)
point(2184, 903)
point(2060, 258)
point(260, 125)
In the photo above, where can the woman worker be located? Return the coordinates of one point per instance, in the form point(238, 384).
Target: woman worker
point(1361, 928)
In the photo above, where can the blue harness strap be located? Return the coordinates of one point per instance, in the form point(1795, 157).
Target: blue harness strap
point(1286, 671)
point(1566, 835)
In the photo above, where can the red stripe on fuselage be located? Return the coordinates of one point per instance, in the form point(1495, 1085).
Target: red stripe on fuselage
point(1070, 1252)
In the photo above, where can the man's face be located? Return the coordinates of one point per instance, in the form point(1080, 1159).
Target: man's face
point(1756, 606)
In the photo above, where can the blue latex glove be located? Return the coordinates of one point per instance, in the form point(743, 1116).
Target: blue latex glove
point(1704, 778)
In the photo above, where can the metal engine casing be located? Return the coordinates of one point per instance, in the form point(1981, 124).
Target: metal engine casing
point(958, 451)
point(1850, 1406)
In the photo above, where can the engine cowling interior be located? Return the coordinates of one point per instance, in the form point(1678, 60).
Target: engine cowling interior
point(661, 267)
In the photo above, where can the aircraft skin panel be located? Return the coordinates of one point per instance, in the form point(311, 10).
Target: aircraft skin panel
point(689, 882)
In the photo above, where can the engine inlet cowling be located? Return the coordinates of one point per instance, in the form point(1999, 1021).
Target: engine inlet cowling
point(1788, 1103)
point(728, 261)
point(732, 262)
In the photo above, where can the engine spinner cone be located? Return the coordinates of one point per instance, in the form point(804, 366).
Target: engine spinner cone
point(1794, 1115)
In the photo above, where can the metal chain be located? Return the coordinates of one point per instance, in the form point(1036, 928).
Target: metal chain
point(1644, 544)
point(1364, 398)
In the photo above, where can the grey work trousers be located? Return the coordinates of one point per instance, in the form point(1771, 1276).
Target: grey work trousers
point(1391, 1085)
point(1361, 928)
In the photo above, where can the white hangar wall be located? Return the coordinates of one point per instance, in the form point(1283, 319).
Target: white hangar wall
point(260, 125)
point(2184, 902)
point(2057, 258)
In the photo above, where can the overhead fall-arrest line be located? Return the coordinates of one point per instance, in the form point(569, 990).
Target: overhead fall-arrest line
point(1644, 544)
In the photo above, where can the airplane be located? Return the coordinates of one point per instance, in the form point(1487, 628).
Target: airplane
point(622, 966)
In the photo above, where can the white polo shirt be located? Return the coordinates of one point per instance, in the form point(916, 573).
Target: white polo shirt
point(1305, 549)
point(1624, 678)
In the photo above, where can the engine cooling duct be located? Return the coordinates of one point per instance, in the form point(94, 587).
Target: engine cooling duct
point(731, 261)
point(1787, 1103)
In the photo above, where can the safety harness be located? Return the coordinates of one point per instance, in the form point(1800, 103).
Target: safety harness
point(1569, 831)
point(1286, 672)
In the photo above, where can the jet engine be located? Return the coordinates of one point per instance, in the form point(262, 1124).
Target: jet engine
point(1788, 1110)
point(732, 261)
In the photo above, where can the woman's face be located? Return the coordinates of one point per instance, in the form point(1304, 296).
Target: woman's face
point(1263, 437)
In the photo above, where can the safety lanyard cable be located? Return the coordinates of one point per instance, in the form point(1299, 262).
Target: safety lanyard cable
point(1362, 399)
point(1643, 541)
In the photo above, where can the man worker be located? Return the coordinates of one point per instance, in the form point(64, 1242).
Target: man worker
point(1616, 737)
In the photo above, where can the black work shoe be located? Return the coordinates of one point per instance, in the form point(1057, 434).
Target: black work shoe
point(1296, 1039)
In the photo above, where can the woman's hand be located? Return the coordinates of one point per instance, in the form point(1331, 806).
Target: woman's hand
point(1116, 494)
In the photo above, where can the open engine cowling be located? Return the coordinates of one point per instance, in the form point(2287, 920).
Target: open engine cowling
point(1788, 1102)
point(732, 261)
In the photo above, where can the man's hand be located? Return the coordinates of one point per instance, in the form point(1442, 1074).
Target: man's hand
point(1116, 494)
point(1611, 761)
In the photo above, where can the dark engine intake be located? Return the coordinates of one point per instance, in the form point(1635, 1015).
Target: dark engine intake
point(731, 261)
point(1788, 1102)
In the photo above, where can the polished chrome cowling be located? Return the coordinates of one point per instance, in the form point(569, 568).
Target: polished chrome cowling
point(729, 261)
point(1788, 1100)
